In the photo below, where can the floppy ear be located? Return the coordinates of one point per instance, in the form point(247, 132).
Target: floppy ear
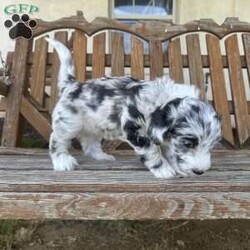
point(162, 121)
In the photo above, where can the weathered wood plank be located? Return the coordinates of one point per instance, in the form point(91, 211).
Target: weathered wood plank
point(238, 89)
point(195, 63)
point(117, 54)
point(39, 151)
point(246, 46)
point(156, 59)
point(219, 87)
point(126, 160)
point(120, 181)
point(61, 36)
point(80, 55)
point(38, 77)
point(150, 29)
point(130, 206)
point(98, 56)
point(175, 60)
point(35, 118)
point(122, 190)
point(3, 88)
point(45, 109)
point(221, 162)
point(13, 101)
point(137, 62)
point(127, 61)
point(117, 69)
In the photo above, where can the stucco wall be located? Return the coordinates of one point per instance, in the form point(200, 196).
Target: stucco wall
point(51, 10)
point(186, 10)
point(218, 10)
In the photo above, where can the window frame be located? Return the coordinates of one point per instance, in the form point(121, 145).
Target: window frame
point(135, 17)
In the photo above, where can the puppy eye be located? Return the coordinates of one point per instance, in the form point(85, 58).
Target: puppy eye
point(190, 144)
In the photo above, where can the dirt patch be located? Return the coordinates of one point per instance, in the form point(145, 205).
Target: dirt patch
point(123, 235)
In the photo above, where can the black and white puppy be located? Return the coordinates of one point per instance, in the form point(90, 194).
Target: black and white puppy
point(166, 123)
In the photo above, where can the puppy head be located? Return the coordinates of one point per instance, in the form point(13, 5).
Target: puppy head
point(186, 129)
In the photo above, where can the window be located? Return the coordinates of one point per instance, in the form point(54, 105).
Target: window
point(142, 9)
point(129, 11)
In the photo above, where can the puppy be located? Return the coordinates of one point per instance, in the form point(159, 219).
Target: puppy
point(169, 127)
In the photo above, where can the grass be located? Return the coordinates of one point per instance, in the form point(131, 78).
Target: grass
point(7, 232)
point(14, 233)
point(125, 235)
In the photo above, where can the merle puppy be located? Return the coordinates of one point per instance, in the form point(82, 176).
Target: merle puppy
point(166, 123)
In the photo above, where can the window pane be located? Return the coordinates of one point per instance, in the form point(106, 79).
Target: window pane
point(143, 7)
point(124, 7)
point(167, 5)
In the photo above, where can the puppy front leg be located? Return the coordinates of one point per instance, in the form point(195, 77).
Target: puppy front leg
point(58, 149)
point(153, 159)
point(150, 153)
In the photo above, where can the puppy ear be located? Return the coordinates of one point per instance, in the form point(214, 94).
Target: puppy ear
point(162, 121)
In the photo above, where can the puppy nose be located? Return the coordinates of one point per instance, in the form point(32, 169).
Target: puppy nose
point(198, 172)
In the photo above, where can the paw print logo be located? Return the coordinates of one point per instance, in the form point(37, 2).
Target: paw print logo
point(20, 26)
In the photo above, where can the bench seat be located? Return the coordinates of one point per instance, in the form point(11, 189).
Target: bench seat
point(123, 189)
point(216, 58)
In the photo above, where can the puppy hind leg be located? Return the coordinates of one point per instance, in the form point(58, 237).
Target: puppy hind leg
point(61, 159)
point(92, 148)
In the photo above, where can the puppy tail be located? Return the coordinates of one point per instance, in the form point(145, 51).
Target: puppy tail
point(66, 72)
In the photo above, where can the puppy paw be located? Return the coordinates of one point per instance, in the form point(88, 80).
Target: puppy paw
point(163, 172)
point(64, 162)
point(100, 156)
point(107, 157)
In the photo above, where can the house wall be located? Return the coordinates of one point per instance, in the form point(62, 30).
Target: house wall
point(50, 10)
point(186, 10)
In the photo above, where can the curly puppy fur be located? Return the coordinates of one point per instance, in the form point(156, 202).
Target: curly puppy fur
point(166, 123)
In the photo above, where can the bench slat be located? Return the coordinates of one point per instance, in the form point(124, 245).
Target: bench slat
point(120, 193)
point(137, 52)
point(219, 87)
point(35, 118)
point(175, 61)
point(38, 77)
point(80, 55)
point(120, 181)
point(11, 126)
point(99, 43)
point(221, 160)
point(61, 36)
point(238, 89)
point(229, 172)
point(205, 61)
point(117, 69)
point(118, 206)
point(45, 109)
point(195, 62)
point(117, 54)
point(156, 59)
point(246, 46)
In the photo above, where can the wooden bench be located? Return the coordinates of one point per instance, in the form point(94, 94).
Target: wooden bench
point(30, 189)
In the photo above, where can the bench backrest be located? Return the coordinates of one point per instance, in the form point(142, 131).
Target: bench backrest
point(197, 52)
